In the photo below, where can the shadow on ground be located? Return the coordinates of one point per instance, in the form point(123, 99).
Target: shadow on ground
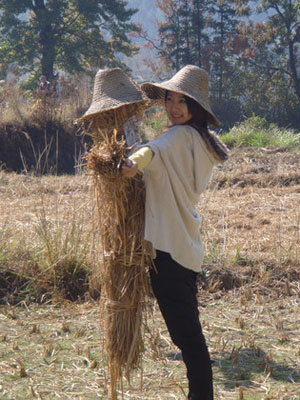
point(242, 366)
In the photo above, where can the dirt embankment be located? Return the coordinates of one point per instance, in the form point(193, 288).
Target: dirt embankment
point(41, 148)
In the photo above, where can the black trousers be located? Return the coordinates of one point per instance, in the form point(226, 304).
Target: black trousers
point(175, 289)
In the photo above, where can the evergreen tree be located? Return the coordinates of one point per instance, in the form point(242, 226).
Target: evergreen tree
point(270, 67)
point(223, 22)
point(170, 33)
point(200, 32)
point(182, 34)
point(74, 35)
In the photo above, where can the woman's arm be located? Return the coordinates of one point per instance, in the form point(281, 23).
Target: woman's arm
point(137, 161)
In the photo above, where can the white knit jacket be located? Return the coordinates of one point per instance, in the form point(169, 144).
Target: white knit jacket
point(176, 176)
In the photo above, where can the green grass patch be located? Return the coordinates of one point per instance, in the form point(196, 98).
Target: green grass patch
point(257, 132)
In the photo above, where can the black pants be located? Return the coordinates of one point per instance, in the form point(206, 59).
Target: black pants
point(175, 290)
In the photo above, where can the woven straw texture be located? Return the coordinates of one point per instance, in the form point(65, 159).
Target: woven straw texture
point(112, 89)
point(191, 81)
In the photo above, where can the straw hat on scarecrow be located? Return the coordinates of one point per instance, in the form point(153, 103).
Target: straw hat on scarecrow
point(116, 98)
point(191, 81)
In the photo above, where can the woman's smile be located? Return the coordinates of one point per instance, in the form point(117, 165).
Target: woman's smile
point(177, 109)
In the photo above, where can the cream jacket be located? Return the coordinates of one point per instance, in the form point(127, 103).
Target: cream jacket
point(176, 176)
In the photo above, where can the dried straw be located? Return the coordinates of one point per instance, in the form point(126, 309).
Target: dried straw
point(125, 256)
point(104, 123)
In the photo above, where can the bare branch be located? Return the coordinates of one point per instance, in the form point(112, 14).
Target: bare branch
point(266, 68)
point(143, 35)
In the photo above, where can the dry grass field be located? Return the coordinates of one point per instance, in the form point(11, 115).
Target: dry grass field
point(249, 291)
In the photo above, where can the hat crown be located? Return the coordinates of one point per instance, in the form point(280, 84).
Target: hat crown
point(112, 89)
point(113, 84)
point(193, 81)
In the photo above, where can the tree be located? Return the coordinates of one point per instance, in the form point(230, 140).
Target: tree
point(276, 42)
point(199, 29)
point(270, 66)
point(182, 34)
point(73, 35)
point(286, 25)
point(170, 33)
point(223, 23)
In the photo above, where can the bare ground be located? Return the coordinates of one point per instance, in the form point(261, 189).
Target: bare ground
point(56, 352)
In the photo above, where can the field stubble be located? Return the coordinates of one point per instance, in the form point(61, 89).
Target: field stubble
point(249, 302)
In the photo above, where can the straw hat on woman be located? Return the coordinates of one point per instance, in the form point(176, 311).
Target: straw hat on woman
point(177, 168)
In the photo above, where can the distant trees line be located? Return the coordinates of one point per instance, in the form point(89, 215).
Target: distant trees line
point(254, 66)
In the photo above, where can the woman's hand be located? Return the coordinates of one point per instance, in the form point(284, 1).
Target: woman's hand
point(129, 168)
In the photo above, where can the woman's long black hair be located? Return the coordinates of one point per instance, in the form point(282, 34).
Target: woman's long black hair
point(199, 121)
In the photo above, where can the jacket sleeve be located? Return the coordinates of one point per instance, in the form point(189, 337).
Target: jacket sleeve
point(142, 157)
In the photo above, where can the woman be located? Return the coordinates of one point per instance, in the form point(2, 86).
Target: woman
point(178, 166)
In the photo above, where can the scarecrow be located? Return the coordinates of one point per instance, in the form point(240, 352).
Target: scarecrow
point(111, 120)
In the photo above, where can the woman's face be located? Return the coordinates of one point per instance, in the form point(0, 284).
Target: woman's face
point(177, 109)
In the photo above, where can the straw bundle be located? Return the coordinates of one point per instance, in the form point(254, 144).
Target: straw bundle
point(125, 258)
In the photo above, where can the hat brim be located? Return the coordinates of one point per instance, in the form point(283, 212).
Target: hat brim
point(96, 110)
point(157, 92)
